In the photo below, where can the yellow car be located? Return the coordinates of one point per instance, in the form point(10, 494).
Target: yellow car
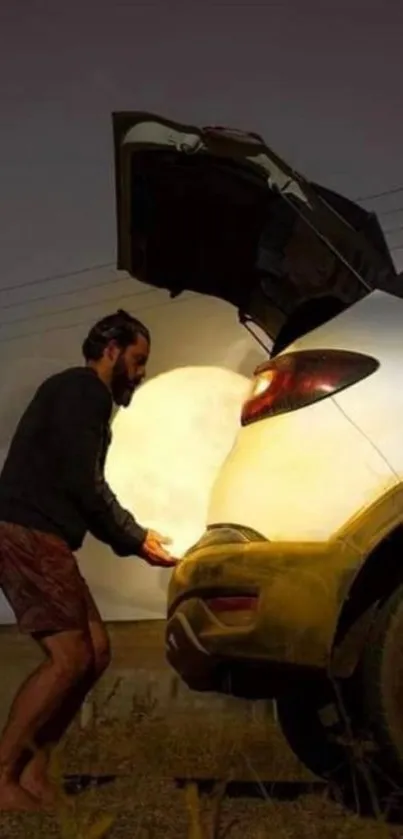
point(295, 589)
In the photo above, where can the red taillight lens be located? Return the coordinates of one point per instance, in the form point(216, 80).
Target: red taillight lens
point(236, 611)
point(238, 603)
point(297, 379)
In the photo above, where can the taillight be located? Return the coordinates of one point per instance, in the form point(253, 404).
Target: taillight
point(237, 611)
point(297, 379)
point(240, 603)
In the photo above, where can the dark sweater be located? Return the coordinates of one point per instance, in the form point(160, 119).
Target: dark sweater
point(53, 477)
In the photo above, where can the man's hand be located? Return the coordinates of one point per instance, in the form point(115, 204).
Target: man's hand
point(154, 553)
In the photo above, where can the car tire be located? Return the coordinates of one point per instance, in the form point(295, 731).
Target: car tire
point(312, 725)
point(351, 732)
point(379, 683)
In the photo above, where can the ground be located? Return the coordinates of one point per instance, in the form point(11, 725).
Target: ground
point(153, 759)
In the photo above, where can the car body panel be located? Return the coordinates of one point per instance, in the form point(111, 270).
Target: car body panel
point(371, 326)
point(303, 587)
point(375, 406)
point(303, 475)
point(299, 477)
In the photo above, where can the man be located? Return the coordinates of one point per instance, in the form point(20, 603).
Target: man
point(52, 491)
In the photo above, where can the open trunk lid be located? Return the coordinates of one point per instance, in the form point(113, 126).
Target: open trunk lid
point(215, 211)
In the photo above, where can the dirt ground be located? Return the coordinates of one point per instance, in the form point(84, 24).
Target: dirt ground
point(173, 767)
point(184, 778)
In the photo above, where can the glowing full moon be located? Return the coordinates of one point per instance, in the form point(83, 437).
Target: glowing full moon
point(168, 446)
point(166, 451)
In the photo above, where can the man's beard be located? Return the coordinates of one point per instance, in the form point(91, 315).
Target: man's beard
point(121, 386)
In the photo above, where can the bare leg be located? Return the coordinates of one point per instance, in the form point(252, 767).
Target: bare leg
point(34, 778)
point(42, 694)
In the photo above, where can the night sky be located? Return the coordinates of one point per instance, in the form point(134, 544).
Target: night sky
point(321, 80)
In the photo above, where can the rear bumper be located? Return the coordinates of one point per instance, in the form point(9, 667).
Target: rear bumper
point(246, 676)
point(301, 588)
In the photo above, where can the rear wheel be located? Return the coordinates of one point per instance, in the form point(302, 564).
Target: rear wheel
point(380, 681)
point(314, 729)
point(351, 732)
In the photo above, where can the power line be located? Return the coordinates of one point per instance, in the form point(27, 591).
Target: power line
point(390, 212)
point(93, 286)
point(74, 308)
point(375, 195)
point(133, 296)
point(63, 276)
point(99, 266)
point(83, 322)
point(63, 293)
point(74, 325)
point(393, 230)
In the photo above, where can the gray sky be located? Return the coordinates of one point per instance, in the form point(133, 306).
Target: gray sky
point(321, 80)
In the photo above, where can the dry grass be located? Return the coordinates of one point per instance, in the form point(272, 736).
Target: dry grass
point(254, 788)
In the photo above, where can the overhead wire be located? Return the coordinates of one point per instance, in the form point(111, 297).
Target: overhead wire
point(60, 276)
point(55, 328)
point(65, 292)
point(112, 265)
point(393, 191)
point(390, 212)
point(393, 230)
point(75, 308)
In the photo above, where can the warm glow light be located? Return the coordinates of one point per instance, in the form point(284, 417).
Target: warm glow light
point(168, 445)
point(167, 449)
point(262, 384)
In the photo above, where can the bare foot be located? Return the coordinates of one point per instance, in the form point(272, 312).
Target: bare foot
point(40, 788)
point(14, 798)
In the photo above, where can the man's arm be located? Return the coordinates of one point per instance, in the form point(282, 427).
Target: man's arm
point(79, 420)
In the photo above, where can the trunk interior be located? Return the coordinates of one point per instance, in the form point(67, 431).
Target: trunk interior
point(199, 223)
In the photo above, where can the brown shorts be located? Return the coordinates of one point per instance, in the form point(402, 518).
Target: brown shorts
point(41, 580)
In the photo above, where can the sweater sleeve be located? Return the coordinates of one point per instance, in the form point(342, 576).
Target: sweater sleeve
point(80, 415)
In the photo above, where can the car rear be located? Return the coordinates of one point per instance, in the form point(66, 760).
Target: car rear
point(251, 593)
point(216, 211)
